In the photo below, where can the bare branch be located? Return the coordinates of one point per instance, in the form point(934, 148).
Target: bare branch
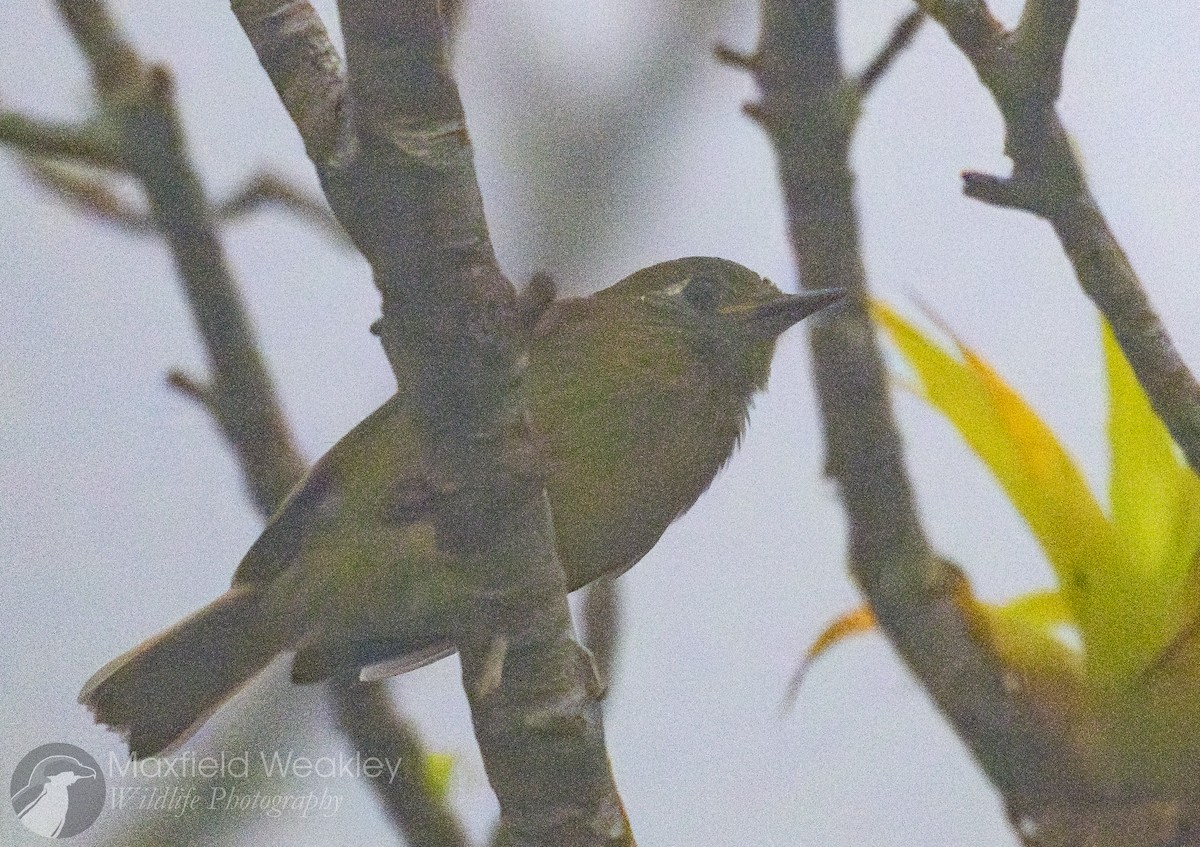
point(400, 75)
point(406, 192)
point(94, 194)
point(248, 411)
point(90, 193)
point(44, 139)
point(1002, 191)
point(735, 58)
point(1041, 41)
point(923, 604)
point(240, 395)
point(267, 190)
point(1022, 70)
point(192, 388)
point(113, 62)
point(902, 35)
point(294, 49)
point(972, 28)
point(366, 715)
point(408, 195)
point(140, 101)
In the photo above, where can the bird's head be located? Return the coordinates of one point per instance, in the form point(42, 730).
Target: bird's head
point(727, 314)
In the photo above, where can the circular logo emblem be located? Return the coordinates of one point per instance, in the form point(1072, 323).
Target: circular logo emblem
point(57, 790)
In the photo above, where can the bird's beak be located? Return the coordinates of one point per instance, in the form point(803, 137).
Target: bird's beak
point(767, 320)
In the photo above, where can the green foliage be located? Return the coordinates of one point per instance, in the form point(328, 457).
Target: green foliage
point(1113, 651)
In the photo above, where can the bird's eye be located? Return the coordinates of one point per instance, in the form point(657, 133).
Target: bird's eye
point(703, 292)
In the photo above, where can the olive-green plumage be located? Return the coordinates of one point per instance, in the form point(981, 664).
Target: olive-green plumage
point(639, 394)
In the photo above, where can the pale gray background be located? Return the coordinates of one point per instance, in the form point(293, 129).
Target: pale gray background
point(121, 510)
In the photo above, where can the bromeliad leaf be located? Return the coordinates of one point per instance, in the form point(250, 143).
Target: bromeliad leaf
point(1155, 495)
point(1127, 581)
point(1113, 652)
point(1040, 478)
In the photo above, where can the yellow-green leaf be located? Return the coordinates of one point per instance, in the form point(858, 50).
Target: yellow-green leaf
point(439, 768)
point(1044, 485)
point(854, 622)
point(1146, 484)
point(1038, 476)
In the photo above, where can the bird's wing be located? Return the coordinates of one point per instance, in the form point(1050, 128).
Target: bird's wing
point(375, 451)
point(285, 534)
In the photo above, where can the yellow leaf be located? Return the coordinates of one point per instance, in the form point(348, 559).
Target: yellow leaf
point(1043, 484)
point(1113, 656)
point(1146, 485)
point(1155, 504)
point(439, 768)
point(854, 622)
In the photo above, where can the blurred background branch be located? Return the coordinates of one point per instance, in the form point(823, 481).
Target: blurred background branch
point(148, 144)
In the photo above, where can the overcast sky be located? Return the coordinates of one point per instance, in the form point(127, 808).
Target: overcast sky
point(121, 509)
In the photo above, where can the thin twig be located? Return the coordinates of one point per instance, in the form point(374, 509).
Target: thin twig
point(89, 192)
point(94, 194)
point(266, 190)
point(1023, 72)
point(367, 717)
point(192, 388)
point(44, 139)
point(902, 36)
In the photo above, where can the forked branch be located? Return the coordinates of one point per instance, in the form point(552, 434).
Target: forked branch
point(1023, 71)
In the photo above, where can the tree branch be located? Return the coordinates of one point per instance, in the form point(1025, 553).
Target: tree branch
point(367, 717)
point(267, 190)
point(922, 602)
point(294, 49)
point(244, 397)
point(1041, 41)
point(89, 193)
point(240, 394)
point(113, 62)
point(140, 100)
point(1023, 72)
point(902, 36)
point(602, 626)
point(44, 139)
point(94, 194)
point(403, 185)
point(972, 28)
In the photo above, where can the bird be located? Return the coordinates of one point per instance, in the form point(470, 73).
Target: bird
point(43, 803)
point(637, 396)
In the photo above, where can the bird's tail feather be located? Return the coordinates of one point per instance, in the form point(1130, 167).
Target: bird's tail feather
point(160, 692)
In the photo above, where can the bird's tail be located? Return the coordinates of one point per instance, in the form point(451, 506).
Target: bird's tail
point(161, 691)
